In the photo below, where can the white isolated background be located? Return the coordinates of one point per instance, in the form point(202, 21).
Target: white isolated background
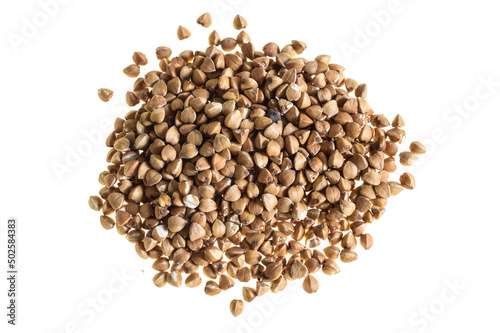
point(434, 265)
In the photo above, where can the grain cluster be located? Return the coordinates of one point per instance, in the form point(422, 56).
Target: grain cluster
point(248, 165)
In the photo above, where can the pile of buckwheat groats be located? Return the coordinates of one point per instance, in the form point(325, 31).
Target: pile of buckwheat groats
point(249, 165)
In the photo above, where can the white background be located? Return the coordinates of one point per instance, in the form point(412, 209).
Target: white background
point(427, 61)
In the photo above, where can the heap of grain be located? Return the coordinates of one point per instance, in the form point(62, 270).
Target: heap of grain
point(247, 165)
